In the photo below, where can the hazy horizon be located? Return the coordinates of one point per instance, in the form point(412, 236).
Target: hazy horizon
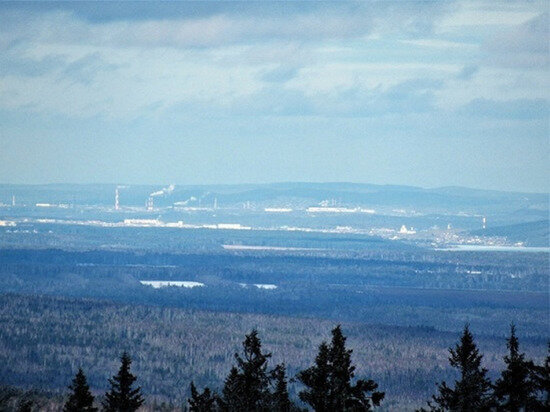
point(190, 185)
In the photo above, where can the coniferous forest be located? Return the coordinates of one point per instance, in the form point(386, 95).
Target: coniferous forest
point(254, 384)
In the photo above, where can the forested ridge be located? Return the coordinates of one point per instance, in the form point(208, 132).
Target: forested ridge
point(44, 341)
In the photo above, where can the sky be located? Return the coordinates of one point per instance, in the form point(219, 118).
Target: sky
point(442, 93)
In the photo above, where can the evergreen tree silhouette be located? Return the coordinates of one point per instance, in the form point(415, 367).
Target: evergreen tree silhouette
point(80, 399)
point(515, 390)
point(541, 379)
point(25, 405)
point(316, 379)
point(280, 401)
point(121, 397)
point(232, 396)
point(329, 381)
point(473, 391)
point(247, 385)
point(201, 402)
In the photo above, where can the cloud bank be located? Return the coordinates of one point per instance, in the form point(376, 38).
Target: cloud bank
point(348, 59)
point(382, 63)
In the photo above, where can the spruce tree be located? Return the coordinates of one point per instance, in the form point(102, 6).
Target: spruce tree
point(342, 370)
point(280, 401)
point(232, 396)
point(515, 389)
point(329, 381)
point(541, 380)
point(247, 385)
point(472, 392)
point(201, 402)
point(80, 399)
point(316, 379)
point(122, 397)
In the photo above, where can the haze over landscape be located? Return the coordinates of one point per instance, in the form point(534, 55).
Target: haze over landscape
point(222, 199)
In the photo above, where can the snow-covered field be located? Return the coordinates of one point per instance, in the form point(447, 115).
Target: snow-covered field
point(166, 283)
point(267, 286)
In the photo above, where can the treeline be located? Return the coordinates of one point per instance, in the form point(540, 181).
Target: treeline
point(327, 385)
point(305, 288)
point(422, 269)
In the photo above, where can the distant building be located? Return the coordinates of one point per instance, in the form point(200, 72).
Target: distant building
point(233, 226)
point(405, 231)
point(142, 222)
point(325, 209)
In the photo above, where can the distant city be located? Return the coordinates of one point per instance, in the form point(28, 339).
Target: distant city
point(429, 223)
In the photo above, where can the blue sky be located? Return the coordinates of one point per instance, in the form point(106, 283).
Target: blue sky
point(420, 93)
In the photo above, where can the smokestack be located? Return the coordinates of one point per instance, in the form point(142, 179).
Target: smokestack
point(13, 200)
point(117, 206)
point(149, 204)
point(163, 192)
point(484, 222)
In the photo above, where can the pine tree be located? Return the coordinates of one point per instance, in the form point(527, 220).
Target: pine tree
point(121, 397)
point(247, 385)
point(280, 401)
point(515, 390)
point(472, 391)
point(80, 399)
point(201, 402)
point(329, 381)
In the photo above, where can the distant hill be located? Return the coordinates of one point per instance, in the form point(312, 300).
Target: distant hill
point(531, 233)
point(446, 199)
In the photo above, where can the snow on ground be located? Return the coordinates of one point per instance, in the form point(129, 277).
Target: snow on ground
point(166, 283)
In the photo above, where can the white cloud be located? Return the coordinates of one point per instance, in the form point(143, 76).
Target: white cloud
point(488, 13)
point(523, 46)
point(440, 44)
point(496, 84)
point(125, 68)
point(210, 31)
point(135, 80)
point(333, 78)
